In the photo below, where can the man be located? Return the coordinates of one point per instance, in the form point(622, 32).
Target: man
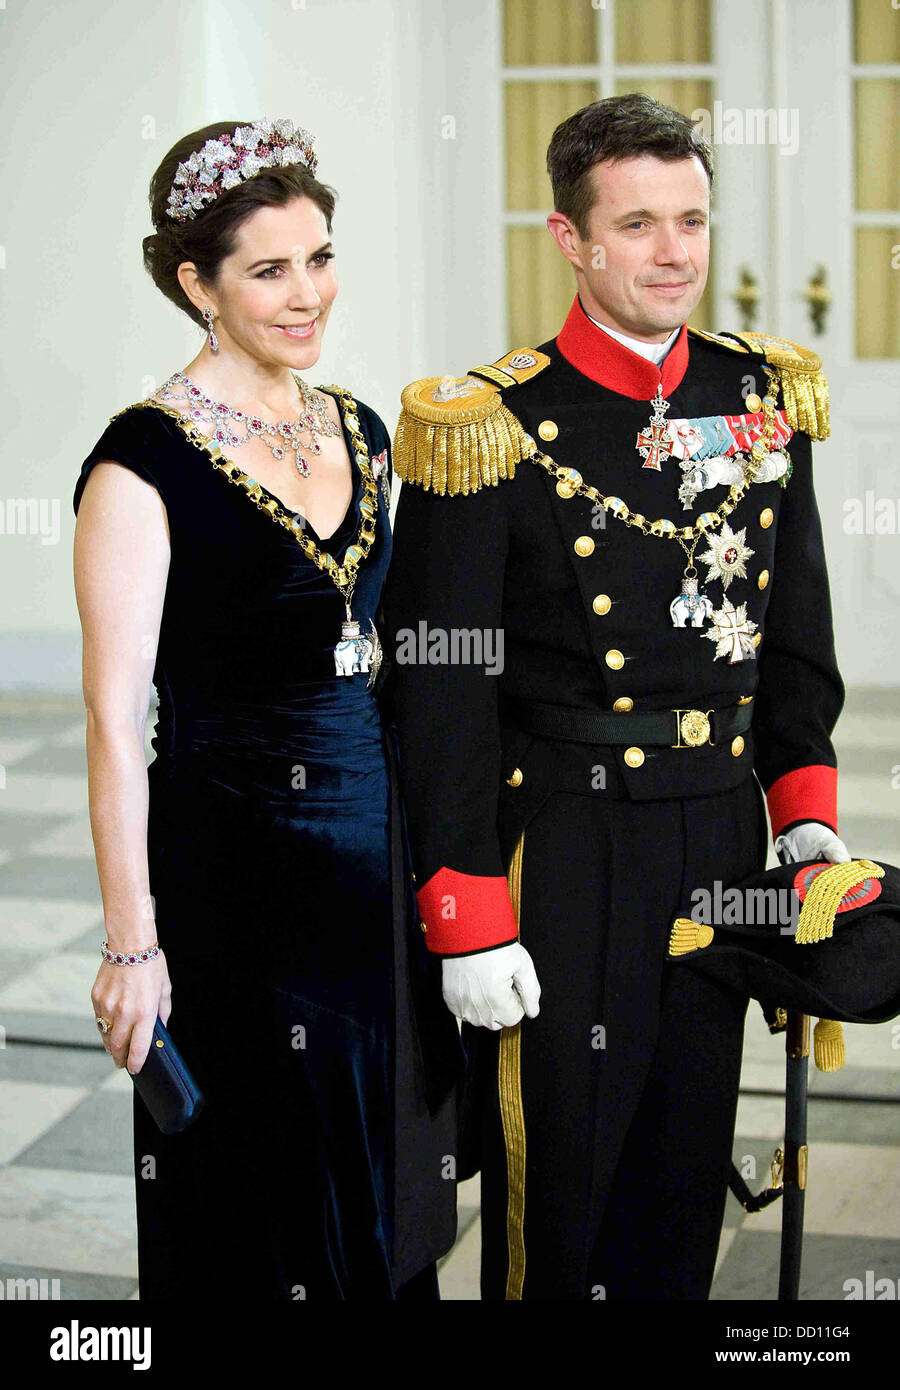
point(626, 517)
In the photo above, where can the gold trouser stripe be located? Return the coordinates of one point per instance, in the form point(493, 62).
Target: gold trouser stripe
point(513, 1116)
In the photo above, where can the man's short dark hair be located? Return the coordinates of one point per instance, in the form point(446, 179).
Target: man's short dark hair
point(617, 128)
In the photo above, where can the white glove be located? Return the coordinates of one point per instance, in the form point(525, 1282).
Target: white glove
point(492, 989)
point(811, 841)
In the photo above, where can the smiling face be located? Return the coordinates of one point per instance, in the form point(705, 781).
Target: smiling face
point(279, 277)
point(642, 267)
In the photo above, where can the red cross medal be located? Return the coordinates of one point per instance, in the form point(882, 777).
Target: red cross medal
point(654, 444)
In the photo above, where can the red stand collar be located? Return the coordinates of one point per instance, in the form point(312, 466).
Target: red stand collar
point(610, 363)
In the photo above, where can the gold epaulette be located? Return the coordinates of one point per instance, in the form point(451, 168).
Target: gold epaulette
point(803, 383)
point(455, 435)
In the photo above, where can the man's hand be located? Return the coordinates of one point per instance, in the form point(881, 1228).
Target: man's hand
point(492, 989)
point(811, 841)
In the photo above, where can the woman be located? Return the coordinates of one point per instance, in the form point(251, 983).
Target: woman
point(231, 544)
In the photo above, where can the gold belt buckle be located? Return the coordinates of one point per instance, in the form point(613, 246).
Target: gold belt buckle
point(693, 727)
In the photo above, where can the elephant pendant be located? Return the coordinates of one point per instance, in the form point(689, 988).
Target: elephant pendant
point(357, 652)
point(690, 606)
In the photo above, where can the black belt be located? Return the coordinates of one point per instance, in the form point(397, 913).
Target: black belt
point(674, 728)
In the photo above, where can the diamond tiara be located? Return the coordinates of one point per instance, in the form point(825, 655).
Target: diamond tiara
point(230, 159)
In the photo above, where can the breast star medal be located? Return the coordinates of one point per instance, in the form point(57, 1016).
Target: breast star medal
point(656, 442)
point(732, 632)
point(727, 555)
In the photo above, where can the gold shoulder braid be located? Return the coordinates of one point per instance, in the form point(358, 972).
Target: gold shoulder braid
point(803, 383)
point(824, 895)
point(355, 651)
point(455, 435)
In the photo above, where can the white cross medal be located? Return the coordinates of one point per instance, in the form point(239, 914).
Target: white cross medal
point(732, 632)
point(654, 443)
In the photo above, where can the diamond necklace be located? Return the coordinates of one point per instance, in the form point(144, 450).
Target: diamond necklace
point(285, 433)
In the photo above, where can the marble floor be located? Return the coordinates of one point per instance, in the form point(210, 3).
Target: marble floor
point(66, 1185)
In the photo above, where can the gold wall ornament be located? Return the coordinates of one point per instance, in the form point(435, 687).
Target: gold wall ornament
point(818, 298)
point(746, 297)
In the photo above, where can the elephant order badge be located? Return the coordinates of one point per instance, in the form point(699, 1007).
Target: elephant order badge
point(690, 607)
point(357, 651)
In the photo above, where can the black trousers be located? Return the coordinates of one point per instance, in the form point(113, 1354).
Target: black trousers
point(604, 1126)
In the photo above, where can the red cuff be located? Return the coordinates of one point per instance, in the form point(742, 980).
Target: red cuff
point(465, 912)
point(807, 793)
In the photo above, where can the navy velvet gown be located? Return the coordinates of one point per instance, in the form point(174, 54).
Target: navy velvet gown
point(303, 998)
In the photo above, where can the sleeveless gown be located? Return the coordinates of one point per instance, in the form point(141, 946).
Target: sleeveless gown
point(303, 999)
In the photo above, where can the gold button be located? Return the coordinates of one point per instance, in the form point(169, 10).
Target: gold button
point(757, 638)
point(737, 746)
point(753, 403)
point(584, 545)
point(547, 429)
point(745, 700)
point(516, 779)
point(634, 756)
point(624, 704)
point(766, 517)
point(423, 926)
point(763, 579)
point(615, 659)
point(601, 604)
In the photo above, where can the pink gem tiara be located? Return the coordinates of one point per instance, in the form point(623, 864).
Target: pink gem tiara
point(230, 159)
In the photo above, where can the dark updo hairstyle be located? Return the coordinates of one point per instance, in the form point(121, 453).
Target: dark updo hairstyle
point(211, 236)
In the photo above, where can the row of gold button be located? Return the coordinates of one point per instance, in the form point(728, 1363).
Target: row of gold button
point(584, 546)
point(634, 757)
point(601, 605)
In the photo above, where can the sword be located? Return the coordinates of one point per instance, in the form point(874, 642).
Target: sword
point(795, 1154)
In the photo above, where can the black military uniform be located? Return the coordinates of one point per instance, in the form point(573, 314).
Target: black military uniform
point(607, 517)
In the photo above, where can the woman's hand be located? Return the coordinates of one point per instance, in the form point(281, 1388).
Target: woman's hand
point(130, 997)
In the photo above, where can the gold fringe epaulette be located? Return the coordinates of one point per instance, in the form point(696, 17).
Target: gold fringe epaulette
point(803, 383)
point(455, 435)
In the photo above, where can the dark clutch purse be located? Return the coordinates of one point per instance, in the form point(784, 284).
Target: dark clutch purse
point(166, 1086)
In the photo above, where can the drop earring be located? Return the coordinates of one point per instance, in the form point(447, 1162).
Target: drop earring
point(213, 340)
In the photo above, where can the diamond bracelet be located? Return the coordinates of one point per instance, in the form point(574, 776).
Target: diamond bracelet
point(129, 957)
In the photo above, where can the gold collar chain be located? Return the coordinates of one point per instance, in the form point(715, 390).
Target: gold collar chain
point(342, 576)
point(570, 482)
